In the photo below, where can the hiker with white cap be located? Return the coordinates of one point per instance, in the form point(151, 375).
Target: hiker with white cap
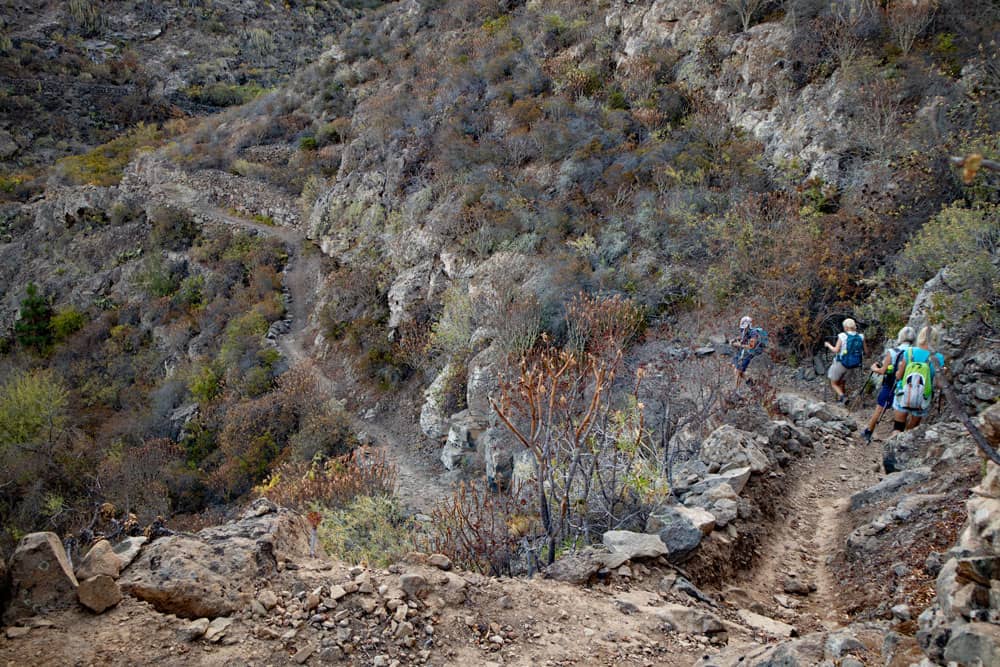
point(751, 343)
point(848, 353)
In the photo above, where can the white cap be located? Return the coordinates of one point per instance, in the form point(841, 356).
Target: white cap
point(745, 322)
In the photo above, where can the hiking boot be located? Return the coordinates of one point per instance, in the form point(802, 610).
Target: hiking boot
point(842, 399)
point(867, 435)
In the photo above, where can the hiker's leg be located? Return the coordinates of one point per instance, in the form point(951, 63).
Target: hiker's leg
point(913, 422)
point(875, 417)
point(836, 375)
point(899, 419)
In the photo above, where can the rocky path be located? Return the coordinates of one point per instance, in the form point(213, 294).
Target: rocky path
point(419, 485)
point(793, 581)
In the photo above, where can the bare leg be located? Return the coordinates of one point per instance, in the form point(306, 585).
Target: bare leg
point(913, 422)
point(875, 417)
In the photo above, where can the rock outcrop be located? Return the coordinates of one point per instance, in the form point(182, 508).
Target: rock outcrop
point(41, 577)
point(962, 625)
point(212, 573)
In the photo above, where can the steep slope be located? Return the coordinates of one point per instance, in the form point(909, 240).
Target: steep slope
point(77, 74)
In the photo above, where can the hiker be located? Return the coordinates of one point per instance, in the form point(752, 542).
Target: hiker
point(915, 381)
point(748, 346)
point(848, 352)
point(887, 368)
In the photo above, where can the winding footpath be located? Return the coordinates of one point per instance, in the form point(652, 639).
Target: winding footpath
point(419, 486)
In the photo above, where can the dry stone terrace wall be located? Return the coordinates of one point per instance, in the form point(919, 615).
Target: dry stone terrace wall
point(245, 196)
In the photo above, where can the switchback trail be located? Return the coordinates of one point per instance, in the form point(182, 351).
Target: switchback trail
point(418, 485)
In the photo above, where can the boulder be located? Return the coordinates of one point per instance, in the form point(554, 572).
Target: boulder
point(728, 447)
point(409, 288)
point(767, 625)
point(99, 592)
point(459, 443)
point(736, 478)
point(212, 573)
point(578, 568)
point(801, 409)
point(101, 559)
point(128, 549)
point(634, 545)
point(680, 529)
point(499, 445)
point(974, 644)
point(414, 585)
point(41, 578)
point(888, 486)
point(483, 381)
point(691, 620)
point(433, 420)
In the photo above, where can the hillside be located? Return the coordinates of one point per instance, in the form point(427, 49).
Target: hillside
point(78, 74)
point(462, 278)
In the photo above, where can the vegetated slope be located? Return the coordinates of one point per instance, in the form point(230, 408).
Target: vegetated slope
point(76, 74)
point(471, 165)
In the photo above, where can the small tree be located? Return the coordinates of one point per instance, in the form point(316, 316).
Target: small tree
point(908, 19)
point(594, 467)
point(747, 10)
point(33, 328)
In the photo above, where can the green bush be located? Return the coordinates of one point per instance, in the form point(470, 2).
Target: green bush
point(104, 165)
point(967, 242)
point(65, 322)
point(205, 383)
point(157, 278)
point(32, 407)
point(224, 94)
point(370, 530)
point(308, 144)
point(33, 327)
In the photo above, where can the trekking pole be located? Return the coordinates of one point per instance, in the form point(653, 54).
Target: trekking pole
point(861, 392)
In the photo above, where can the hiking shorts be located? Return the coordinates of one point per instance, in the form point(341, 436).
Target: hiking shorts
point(837, 370)
point(886, 396)
point(741, 363)
point(914, 412)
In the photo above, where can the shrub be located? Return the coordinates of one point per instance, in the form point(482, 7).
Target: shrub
point(966, 243)
point(450, 335)
point(908, 19)
point(32, 407)
point(308, 144)
point(104, 165)
point(205, 383)
point(224, 94)
point(158, 278)
point(173, 229)
point(372, 530)
point(65, 322)
point(33, 327)
point(483, 530)
point(331, 483)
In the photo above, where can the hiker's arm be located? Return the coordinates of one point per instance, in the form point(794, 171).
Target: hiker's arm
point(886, 360)
point(902, 367)
point(833, 348)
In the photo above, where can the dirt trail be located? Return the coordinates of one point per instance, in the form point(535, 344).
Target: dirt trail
point(805, 542)
point(419, 485)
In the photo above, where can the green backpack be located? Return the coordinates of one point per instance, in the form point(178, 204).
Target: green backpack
point(917, 386)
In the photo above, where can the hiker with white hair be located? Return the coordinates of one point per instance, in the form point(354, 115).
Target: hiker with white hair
point(848, 353)
point(751, 343)
point(887, 368)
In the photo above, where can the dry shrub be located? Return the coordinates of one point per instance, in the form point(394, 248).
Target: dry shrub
point(482, 530)
point(333, 483)
point(603, 325)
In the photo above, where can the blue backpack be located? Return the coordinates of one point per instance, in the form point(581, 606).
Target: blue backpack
point(850, 356)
